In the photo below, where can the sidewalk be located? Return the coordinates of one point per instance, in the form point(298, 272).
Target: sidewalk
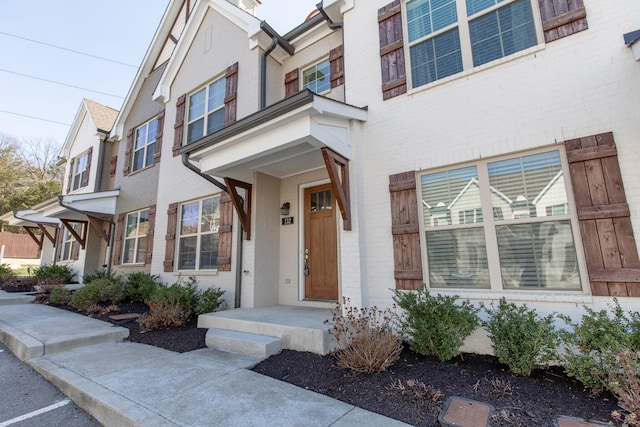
point(130, 384)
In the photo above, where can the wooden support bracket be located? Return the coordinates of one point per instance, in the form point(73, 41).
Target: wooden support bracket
point(339, 183)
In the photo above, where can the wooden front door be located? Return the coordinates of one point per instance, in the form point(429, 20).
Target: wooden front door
point(320, 244)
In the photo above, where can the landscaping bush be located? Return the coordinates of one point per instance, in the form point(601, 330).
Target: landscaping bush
point(164, 312)
point(435, 325)
point(110, 290)
point(101, 274)
point(366, 342)
point(58, 272)
point(520, 338)
point(625, 385)
point(5, 269)
point(86, 296)
point(209, 300)
point(140, 286)
point(59, 296)
point(592, 346)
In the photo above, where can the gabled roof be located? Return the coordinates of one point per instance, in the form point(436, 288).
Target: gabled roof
point(474, 181)
point(104, 117)
point(547, 187)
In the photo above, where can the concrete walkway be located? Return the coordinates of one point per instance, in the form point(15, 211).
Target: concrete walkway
point(130, 384)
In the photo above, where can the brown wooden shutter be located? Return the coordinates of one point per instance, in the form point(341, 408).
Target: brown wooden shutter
point(114, 165)
point(291, 82)
point(151, 225)
point(178, 128)
point(231, 94)
point(561, 18)
point(127, 153)
point(605, 224)
point(170, 238)
point(70, 183)
point(394, 75)
point(158, 153)
point(336, 64)
point(224, 233)
point(85, 179)
point(117, 247)
point(406, 231)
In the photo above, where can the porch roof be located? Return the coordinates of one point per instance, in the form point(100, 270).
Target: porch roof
point(281, 140)
point(78, 206)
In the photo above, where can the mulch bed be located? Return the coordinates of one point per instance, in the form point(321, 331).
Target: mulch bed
point(405, 391)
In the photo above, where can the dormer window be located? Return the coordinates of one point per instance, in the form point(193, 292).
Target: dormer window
point(79, 171)
point(317, 77)
point(206, 110)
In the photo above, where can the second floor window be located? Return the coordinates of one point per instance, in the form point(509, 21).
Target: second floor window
point(80, 171)
point(145, 145)
point(317, 77)
point(206, 110)
point(135, 237)
point(450, 36)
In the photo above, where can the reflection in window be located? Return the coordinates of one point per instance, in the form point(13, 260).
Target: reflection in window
point(199, 225)
point(317, 77)
point(135, 237)
point(320, 201)
point(448, 195)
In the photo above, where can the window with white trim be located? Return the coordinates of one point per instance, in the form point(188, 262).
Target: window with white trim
point(449, 36)
point(198, 234)
point(145, 145)
point(317, 78)
point(206, 110)
point(71, 246)
point(80, 171)
point(135, 237)
point(500, 224)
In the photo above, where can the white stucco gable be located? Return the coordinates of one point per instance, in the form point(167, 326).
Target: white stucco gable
point(237, 16)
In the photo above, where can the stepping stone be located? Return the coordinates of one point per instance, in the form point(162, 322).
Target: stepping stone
point(461, 412)
point(125, 316)
point(563, 421)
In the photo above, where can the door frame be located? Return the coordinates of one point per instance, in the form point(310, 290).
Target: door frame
point(301, 242)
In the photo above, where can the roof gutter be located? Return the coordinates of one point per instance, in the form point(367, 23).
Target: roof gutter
point(193, 168)
point(112, 229)
point(277, 40)
point(332, 25)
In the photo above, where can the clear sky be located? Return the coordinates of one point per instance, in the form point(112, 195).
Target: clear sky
point(117, 30)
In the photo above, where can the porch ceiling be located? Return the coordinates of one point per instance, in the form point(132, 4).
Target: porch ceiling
point(282, 140)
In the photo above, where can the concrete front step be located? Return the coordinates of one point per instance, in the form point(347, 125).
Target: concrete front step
point(299, 328)
point(243, 343)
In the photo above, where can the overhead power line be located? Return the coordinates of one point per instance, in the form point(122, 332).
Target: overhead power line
point(68, 50)
point(60, 83)
point(33, 117)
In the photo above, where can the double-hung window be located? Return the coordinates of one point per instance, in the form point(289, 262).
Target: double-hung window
point(198, 234)
point(502, 224)
point(449, 36)
point(80, 171)
point(317, 77)
point(71, 245)
point(145, 145)
point(135, 237)
point(206, 110)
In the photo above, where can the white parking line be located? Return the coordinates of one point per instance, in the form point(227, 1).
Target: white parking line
point(35, 413)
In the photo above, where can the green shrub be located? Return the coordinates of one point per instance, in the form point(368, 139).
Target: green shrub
point(110, 291)
point(520, 338)
point(140, 286)
point(592, 346)
point(365, 339)
point(209, 300)
point(100, 274)
point(59, 296)
point(86, 296)
point(5, 269)
point(435, 325)
point(57, 272)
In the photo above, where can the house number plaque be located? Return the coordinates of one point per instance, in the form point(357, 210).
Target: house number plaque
point(287, 221)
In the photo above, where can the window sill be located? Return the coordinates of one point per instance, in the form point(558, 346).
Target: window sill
point(517, 296)
point(465, 74)
point(136, 172)
point(187, 273)
point(133, 264)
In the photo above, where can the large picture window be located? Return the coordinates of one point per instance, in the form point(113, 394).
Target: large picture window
point(198, 234)
point(206, 110)
point(449, 36)
point(145, 145)
point(501, 222)
point(135, 237)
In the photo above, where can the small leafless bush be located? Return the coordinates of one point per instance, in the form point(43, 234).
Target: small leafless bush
point(506, 419)
point(502, 387)
point(366, 343)
point(95, 309)
point(419, 393)
point(624, 383)
point(163, 313)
